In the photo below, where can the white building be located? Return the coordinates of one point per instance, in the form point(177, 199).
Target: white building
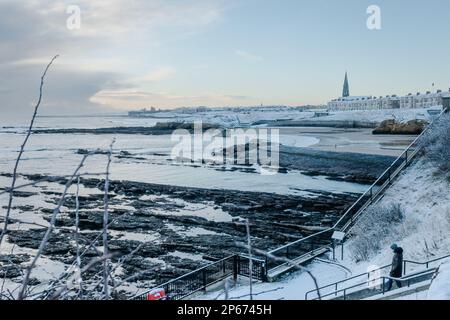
point(410, 101)
point(364, 103)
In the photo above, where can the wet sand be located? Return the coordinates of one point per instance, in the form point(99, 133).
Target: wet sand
point(353, 140)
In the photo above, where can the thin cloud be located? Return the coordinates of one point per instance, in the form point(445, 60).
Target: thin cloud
point(132, 99)
point(156, 75)
point(248, 56)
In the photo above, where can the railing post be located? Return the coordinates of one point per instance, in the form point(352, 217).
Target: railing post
point(383, 286)
point(404, 267)
point(263, 272)
point(406, 156)
point(334, 249)
point(235, 267)
point(205, 284)
point(389, 174)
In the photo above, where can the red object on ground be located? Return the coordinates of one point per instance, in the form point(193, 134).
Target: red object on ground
point(157, 294)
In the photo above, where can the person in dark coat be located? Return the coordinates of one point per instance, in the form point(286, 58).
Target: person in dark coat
point(397, 266)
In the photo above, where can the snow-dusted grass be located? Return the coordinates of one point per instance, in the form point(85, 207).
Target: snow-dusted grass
point(437, 143)
point(421, 196)
point(373, 230)
point(423, 193)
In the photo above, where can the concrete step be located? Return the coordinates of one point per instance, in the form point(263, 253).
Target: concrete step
point(275, 273)
point(401, 292)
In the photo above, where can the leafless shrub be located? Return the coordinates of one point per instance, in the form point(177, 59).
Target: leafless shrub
point(295, 266)
point(22, 149)
point(105, 226)
point(436, 143)
point(71, 278)
point(49, 230)
point(373, 228)
point(250, 259)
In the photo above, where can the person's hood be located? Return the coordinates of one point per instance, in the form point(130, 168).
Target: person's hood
point(398, 250)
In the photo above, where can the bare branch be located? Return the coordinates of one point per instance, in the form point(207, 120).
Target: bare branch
point(290, 262)
point(77, 232)
point(93, 262)
point(250, 260)
point(105, 226)
point(22, 149)
point(49, 229)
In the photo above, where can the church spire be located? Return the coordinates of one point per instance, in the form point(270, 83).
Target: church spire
point(346, 90)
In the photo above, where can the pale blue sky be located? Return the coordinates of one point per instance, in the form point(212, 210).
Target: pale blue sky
point(170, 53)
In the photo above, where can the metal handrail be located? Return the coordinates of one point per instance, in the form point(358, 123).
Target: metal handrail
point(391, 172)
point(367, 274)
point(185, 275)
point(335, 284)
point(404, 154)
point(391, 175)
point(197, 270)
point(382, 278)
point(300, 240)
point(235, 258)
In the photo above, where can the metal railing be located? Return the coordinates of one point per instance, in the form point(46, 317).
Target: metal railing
point(208, 275)
point(235, 265)
point(380, 288)
point(307, 246)
point(322, 240)
point(337, 286)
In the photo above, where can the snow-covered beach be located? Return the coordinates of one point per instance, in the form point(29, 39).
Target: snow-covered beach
point(165, 203)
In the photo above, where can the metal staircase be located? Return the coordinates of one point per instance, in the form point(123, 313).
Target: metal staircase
point(306, 249)
point(371, 284)
point(285, 258)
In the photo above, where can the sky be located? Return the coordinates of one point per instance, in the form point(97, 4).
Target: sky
point(131, 54)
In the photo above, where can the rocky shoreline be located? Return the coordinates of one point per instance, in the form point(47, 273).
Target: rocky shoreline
point(341, 166)
point(175, 229)
point(153, 210)
point(161, 128)
point(412, 127)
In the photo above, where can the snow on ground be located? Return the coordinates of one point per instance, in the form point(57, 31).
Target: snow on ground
point(378, 115)
point(423, 193)
point(423, 234)
point(440, 286)
point(236, 117)
point(421, 295)
point(230, 118)
point(291, 287)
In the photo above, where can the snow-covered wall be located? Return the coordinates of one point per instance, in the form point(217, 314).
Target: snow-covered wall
point(440, 286)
